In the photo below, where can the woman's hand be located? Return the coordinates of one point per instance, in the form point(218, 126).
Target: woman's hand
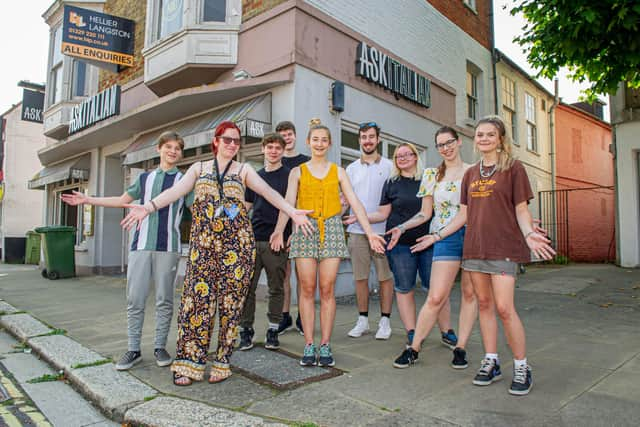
point(376, 242)
point(424, 242)
point(276, 241)
point(75, 199)
point(537, 227)
point(300, 220)
point(135, 216)
point(540, 246)
point(395, 234)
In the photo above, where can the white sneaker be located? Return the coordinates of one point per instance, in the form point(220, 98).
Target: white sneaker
point(384, 329)
point(362, 327)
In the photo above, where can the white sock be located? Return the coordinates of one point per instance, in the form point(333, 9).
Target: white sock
point(493, 356)
point(273, 326)
point(520, 363)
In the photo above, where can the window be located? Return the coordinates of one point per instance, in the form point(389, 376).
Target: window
point(170, 17)
point(63, 214)
point(55, 93)
point(214, 11)
point(79, 79)
point(530, 110)
point(472, 95)
point(509, 106)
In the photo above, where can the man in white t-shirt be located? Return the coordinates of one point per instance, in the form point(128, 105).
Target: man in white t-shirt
point(367, 175)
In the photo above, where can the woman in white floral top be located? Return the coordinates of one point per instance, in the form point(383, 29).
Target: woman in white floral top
point(440, 192)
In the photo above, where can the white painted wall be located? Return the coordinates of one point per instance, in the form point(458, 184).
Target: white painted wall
point(21, 207)
point(627, 193)
point(419, 34)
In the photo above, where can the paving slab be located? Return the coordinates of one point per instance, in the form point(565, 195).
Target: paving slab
point(174, 412)
point(62, 405)
point(594, 409)
point(112, 391)
point(632, 366)
point(277, 368)
point(6, 308)
point(7, 343)
point(235, 392)
point(63, 352)
point(558, 285)
point(408, 418)
point(25, 367)
point(24, 325)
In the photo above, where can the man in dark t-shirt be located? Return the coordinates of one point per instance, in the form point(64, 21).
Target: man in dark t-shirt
point(263, 221)
point(291, 159)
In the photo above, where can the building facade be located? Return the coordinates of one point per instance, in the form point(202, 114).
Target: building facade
point(625, 119)
point(585, 205)
point(198, 62)
point(20, 207)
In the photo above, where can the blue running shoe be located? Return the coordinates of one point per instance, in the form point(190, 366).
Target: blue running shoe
point(309, 357)
point(449, 339)
point(325, 357)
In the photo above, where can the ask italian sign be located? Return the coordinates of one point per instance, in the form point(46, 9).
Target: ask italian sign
point(380, 69)
point(97, 37)
point(96, 108)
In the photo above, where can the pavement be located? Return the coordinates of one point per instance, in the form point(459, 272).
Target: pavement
point(582, 338)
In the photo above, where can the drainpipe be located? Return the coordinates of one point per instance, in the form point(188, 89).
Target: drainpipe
point(494, 59)
point(552, 152)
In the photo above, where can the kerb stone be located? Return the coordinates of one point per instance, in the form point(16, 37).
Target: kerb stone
point(24, 326)
point(6, 308)
point(63, 352)
point(114, 392)
point(174, 412)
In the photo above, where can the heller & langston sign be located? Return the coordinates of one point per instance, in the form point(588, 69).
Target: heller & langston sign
point(378, 68)
point(96, 36)
point(95, 108)
point(32, 105)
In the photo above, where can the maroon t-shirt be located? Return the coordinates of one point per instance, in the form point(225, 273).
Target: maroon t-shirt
point(492, 228)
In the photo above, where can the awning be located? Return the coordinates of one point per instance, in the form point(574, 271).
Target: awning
point(252, 116)
point(77, 168)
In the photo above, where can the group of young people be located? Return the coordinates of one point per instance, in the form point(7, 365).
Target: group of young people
point(408, 221)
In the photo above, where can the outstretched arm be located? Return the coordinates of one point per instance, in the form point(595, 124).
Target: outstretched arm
point(418, 219)
point(456, 223)
point(277, 238)
point(77, 198)
point(537, 242)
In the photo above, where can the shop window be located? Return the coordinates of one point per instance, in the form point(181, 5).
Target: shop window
point(64, 214)
point(214, 10)
point(509, 107)
point(532, 132)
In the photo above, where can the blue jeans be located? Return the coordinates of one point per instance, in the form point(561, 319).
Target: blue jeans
point(405, 267)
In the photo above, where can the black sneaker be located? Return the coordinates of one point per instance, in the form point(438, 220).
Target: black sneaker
point(246, 339)
point(272, 342)
point(309, 356)
point(128, 359)
point(459, 359)
point(522, 381)
point(285, 324)
point(299, 325)
point(449, 339)
point(163, 358)
point(489, 372)
point(408, 357)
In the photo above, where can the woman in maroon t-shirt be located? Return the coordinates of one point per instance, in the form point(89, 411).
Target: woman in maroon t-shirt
point(500, 234)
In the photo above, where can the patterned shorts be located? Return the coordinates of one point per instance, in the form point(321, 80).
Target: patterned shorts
point(309, 246)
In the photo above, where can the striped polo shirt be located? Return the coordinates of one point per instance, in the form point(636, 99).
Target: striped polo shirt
point(160, 230)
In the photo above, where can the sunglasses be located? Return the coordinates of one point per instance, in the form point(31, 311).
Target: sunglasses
point(228, 140)
point(446, 145)
point(368, 125)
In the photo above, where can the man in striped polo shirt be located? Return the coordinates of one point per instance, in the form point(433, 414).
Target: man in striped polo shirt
point(155, 249)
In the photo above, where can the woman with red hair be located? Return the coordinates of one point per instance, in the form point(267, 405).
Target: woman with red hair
point(221, 254)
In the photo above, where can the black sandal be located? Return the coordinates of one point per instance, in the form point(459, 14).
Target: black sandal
point(177, 377)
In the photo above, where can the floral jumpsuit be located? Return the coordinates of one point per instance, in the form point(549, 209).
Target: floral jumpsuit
point(219, 271)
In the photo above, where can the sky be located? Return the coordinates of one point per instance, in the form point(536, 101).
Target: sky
point(26, 37)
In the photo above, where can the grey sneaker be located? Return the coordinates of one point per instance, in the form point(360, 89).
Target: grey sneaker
point(309, 357)
point(163, 358)
point(128, 359)
point(325, 357)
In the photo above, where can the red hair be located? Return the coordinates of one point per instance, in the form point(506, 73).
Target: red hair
point(220, 129)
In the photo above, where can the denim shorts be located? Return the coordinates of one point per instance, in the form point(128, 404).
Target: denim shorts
point(405, 267)
point(449, 248)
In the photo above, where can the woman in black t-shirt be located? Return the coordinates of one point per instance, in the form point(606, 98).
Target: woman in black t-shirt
point(398, 204)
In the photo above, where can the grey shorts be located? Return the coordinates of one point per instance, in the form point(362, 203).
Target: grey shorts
point(499, 267)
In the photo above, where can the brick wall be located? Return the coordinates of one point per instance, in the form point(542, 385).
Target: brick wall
point(135, 10)
point(475, 23)
point(251, 8)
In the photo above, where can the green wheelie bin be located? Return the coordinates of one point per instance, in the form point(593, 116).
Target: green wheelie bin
point(58, 243)
point(32, 249)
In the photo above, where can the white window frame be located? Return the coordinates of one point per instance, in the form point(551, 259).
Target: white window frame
point(509, 106)
point(56, 69)
point(57, 204)
point(472, 90)
point(530, 114)
point(471, 4)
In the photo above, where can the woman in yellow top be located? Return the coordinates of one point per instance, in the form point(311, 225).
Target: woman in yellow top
point(316, 185)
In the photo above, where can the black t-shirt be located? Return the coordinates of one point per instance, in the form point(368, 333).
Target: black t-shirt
point(295, 161)
point(401, 194)
point(265, 216)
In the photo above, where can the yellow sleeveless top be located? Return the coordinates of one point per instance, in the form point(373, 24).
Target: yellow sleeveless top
point(320, 195)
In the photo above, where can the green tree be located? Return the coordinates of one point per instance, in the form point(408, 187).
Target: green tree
point(596, 40)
